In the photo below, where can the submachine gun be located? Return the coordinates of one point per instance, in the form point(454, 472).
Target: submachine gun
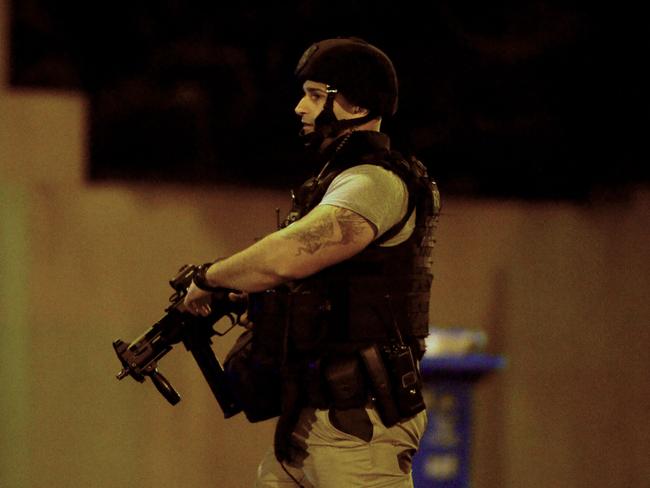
point(140, 358)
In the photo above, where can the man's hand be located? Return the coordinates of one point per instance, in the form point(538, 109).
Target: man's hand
point(197, 301)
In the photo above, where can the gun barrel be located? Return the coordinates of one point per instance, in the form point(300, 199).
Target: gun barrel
point(123, 374)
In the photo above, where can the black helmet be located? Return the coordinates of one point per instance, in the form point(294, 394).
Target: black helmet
point(357, 69)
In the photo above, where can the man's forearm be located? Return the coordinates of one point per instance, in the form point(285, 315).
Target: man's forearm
point(327, 235)
point(253, 269)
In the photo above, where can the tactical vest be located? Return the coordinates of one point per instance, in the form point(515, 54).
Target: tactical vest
point(373, 297)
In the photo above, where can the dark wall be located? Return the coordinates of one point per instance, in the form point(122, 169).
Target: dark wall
point(531, 99)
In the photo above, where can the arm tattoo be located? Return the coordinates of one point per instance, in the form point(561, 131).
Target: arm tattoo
point(323, 233)
point(351, 224)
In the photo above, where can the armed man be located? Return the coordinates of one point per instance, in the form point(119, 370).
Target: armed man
point(339, 296)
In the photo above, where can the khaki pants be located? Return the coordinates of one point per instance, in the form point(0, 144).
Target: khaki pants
point(335, 459)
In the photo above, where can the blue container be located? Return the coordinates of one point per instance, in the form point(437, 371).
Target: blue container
point(443, 460)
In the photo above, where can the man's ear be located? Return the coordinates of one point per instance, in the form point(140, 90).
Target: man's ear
point(350, 107)
point(360, 111)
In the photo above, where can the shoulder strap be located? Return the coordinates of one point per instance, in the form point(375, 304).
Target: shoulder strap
point(420, 190)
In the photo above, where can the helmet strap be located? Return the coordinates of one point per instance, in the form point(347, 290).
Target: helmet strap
point(326, 125)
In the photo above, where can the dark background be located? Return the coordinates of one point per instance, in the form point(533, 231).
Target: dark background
point(515, 99)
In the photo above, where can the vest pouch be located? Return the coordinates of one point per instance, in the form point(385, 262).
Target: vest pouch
point(255, 379)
